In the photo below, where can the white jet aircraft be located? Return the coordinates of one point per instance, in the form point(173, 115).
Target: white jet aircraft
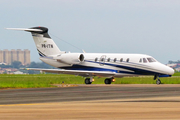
point(90, 65)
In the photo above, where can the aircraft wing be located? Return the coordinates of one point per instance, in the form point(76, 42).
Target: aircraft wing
point(77, 72)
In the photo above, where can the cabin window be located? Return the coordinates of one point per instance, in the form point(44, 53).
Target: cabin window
point(140, 60)
point(121, 60)
point(109, 59)
point(151, 60)
point(127, 60)
point(115, 59)
point(96, 59)
point(144, 60)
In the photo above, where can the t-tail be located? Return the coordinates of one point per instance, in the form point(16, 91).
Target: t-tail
point(44, 44)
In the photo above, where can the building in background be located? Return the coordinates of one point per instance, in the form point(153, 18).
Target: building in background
point(7, 57)
point(27, 59)
point(1, 56)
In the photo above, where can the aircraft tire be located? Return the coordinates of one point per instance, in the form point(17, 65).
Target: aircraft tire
point(107, 81)
point(158, 82)
point(87, 81)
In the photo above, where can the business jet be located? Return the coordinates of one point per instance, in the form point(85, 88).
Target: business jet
point(89, 65)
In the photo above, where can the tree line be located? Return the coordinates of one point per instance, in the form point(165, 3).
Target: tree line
point(174, 62)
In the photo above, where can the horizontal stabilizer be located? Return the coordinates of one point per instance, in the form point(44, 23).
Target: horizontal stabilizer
point(25, 29)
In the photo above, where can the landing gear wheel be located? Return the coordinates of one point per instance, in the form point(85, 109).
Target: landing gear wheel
point(158, 82)
point(87, 81)
point(107, 81)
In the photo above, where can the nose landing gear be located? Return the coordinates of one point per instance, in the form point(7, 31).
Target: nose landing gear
point(158, 81)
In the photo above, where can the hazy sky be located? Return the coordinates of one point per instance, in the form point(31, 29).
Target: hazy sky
point(110, 26)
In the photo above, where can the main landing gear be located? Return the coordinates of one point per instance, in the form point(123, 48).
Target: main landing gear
point(87, 81)
point(158, 81)
point(106, 81)
point(109, 80)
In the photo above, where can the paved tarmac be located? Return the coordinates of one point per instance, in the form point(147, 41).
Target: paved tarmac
point(92, 102)
point(86, 92)
point(93, 110)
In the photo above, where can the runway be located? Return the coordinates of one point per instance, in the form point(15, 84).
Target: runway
point(85, 92)
point(92, 102)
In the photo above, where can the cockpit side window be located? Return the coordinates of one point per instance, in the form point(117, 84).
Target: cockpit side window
point(96, 59)
point(144, 60)
point(151, 60)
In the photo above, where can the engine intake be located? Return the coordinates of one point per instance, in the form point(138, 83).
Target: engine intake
point(81, 57)
point(70, 58)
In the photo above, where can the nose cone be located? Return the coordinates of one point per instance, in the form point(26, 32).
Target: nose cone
point(164, 69)
point(170, 71)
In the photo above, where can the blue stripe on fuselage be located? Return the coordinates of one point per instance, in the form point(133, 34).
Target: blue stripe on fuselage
point(136, 70)
point(80, 67)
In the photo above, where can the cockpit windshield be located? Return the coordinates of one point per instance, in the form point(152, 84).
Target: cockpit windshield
point(151, 59)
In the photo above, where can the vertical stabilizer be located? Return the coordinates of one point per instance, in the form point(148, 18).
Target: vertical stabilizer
point(44, 44)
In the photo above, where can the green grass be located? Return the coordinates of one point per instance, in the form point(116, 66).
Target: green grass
point(36, 81)
point(177, 74)
point(46, 80)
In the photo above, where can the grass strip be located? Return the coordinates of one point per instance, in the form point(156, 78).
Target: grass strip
point(46, 80)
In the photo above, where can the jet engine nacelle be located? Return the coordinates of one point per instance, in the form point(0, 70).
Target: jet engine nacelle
point(70, 58)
